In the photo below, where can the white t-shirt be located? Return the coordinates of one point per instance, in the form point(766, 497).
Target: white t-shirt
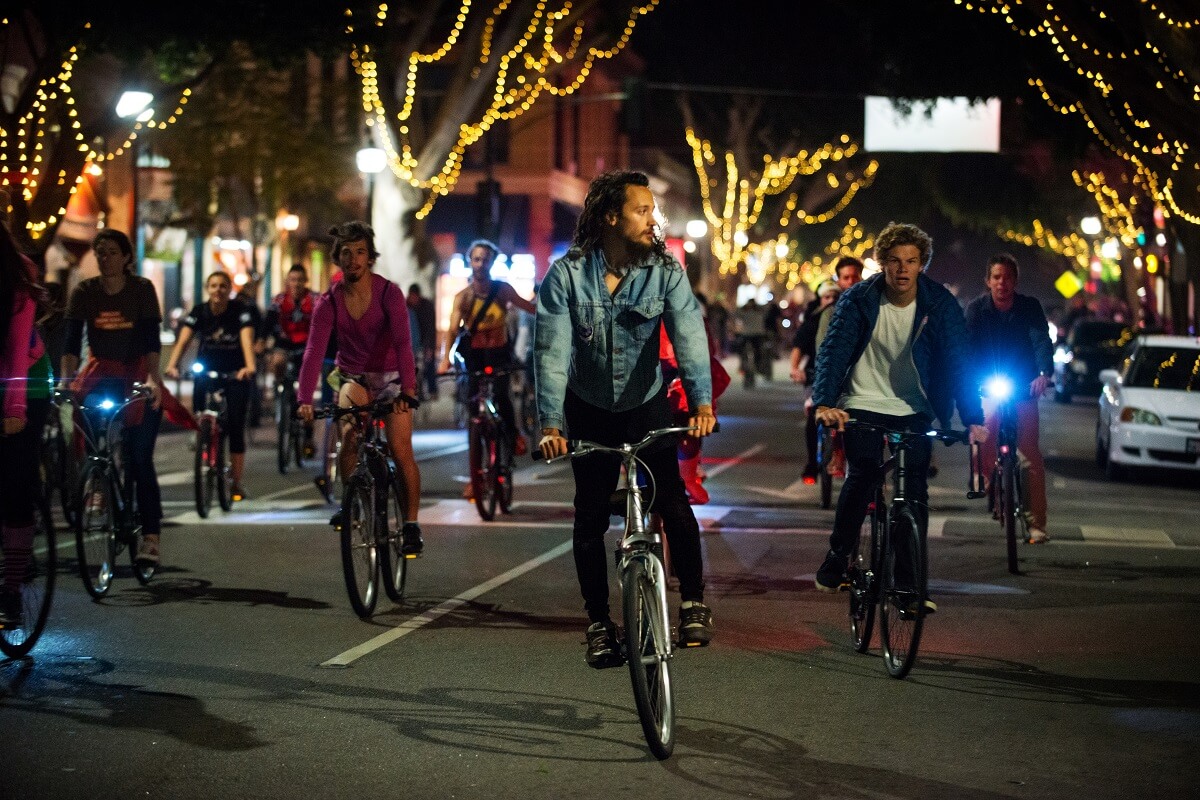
point(885, 379)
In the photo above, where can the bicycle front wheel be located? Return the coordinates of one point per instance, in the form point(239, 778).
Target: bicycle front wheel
point(1009, 511)
point(37, 587)
point(283, 429)
point(393, 563)
point(648, 652)
point(224, 477)
point(204, 479)
point(481, 445)
point(95, 533)
point(864, 574)
point(504, 484)
point(360, 556)
point(902, 605)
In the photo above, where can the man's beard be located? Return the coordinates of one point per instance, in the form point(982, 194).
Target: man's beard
point(352, 277)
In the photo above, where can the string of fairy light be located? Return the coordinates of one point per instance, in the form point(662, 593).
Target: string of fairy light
point(791, 269)
point(525, 73)
point(24, 148)
point(746, 195)
point(1137, 131)
point(1118, 215)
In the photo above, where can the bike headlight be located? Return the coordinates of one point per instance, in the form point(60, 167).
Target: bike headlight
point(107, 405)
point(1139, 416)
point(1063, 356)
point(998, 387)
point(197, 368)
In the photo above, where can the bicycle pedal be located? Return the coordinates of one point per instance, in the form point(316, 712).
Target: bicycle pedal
point(411, 556)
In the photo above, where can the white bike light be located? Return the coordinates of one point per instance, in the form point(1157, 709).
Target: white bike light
point(999, 387)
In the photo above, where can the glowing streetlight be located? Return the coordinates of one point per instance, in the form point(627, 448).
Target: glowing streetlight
point(133, 103)
point(1090, 226)
point(371, 161)
point(696, 228)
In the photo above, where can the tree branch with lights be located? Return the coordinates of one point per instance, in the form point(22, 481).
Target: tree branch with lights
point(754, 204)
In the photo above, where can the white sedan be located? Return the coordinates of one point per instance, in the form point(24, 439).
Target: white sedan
point(1150, 410)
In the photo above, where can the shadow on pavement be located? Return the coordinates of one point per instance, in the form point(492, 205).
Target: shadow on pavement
point(69, 688)
point(201, 591)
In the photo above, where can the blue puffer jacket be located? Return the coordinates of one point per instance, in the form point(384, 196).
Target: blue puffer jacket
point(941, 350)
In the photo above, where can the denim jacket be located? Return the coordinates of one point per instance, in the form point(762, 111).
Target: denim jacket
point(940, 351)
point(605, 348)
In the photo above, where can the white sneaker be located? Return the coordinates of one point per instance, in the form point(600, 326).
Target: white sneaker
point(1037, 536)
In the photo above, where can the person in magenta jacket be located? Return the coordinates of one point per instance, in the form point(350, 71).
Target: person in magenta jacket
point(24, 400)
point(374, 360)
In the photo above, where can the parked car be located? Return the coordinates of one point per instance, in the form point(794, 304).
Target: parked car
point(1150, 410)
point(1091, 345)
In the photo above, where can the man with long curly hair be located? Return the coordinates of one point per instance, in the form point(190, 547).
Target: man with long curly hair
point(598, 377)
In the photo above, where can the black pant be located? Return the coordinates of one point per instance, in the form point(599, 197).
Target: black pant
point(595, 480)
point(20, 475)
point(864, 451)
point(138, 442)
point(237, 400)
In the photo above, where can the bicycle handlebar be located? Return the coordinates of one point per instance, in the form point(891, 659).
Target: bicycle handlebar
point(581, 447)
point(947, 436)
point(378, 409)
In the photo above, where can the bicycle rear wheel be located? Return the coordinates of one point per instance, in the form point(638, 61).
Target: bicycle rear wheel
point(902, 604)
point(1009, 511)
point(37, 588)
point(224, 477)
point(283, 430)
point(360, 556)
point(864, 574)
point(204, 478)
point(648, 652)
point(95, 533)
point(481, 444)
point(393, 562)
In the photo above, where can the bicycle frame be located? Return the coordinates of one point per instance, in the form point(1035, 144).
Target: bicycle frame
point(649, 658)
point(99, 449)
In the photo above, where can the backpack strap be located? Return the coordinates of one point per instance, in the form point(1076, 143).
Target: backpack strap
point(491, 296)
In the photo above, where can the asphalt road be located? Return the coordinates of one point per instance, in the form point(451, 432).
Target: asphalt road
point(241, 671)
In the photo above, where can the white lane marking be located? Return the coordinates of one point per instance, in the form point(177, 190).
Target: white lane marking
point(421, 620)
point(937, 526)
point(177, 478)
point(1133, 537)
point(733, 462)
point(307, 486)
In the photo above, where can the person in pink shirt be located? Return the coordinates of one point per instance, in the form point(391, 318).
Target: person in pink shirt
point(374, 360)
point(24, 403)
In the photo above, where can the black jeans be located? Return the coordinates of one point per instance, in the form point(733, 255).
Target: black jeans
point(20, 474)
point(864, 451)
point(595, 481)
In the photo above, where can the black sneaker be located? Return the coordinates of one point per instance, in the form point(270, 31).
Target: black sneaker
point(695, 624)
point(336, 520)
point(603, 646)
point(11, 610)
point(831, 577)
point(411, 543)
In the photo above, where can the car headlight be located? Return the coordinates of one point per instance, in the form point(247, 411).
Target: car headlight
point(1139, 416)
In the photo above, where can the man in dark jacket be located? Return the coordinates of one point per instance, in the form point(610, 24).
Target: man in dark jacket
point(1010, 337)
point(896, 355)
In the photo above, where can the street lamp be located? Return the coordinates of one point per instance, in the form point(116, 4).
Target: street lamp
point(1090, 226)
point(131, 104)
point(371, 161)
